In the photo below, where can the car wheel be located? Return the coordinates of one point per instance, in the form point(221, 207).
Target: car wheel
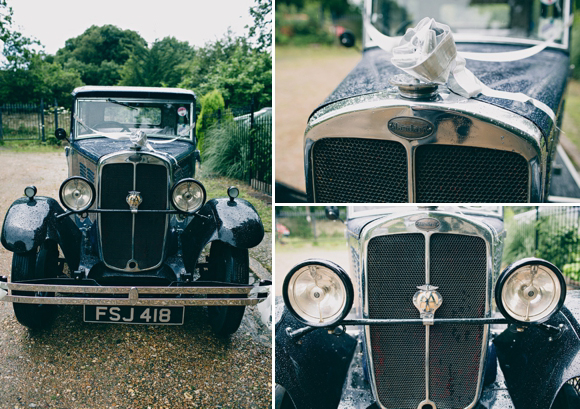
point(282, 399)
point(30, 266)
point(230, 265)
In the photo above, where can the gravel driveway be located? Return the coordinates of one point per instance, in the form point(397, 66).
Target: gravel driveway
point(78, 365)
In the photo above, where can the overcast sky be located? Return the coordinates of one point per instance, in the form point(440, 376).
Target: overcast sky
point(196, 21)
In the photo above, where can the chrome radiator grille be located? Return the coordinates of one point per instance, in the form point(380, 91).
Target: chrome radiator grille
point(351, 170)
point(395, 267)
point(133, 241)
point(357, 170)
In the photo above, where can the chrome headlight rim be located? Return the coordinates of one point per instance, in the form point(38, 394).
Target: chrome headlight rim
point(89, 184)
point(342, 276)
point(188, 180)
point(510, 270)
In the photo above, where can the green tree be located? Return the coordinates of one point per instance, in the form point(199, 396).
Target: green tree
point(162, 65)
point(211, 103)
point(99, 53)
point(17, 49)
point(233, 67)
point(261, 31)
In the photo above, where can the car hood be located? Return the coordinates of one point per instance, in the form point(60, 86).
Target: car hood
point(96, 148)
point(543, 77)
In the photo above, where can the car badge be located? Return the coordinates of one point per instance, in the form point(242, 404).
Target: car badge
point(427, 300)
point(409, 127)
point(427, 223)
point(134, 199)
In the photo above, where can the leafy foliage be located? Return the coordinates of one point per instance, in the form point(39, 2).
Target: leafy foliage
point(100, 52)
point(162, 65)
point(211, 104)
point(261, 31)
point(224, 152)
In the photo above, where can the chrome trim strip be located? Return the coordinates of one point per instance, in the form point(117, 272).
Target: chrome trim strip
point(145, 157)
point(366, 116)
point(49, 288)
point(400, 224)
point(140, 302)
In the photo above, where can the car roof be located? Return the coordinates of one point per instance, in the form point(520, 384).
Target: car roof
point(136, 92)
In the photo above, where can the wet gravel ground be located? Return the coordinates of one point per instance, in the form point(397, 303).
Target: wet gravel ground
point(79, 365)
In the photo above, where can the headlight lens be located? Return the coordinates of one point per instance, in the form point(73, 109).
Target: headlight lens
point(77, 194)
point(530, 291)
point(188, 195)
point(319, 293)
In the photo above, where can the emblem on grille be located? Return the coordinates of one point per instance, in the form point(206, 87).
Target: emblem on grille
point(427, 300)
point(410, 127)
point(134, 199)
point(427, 224)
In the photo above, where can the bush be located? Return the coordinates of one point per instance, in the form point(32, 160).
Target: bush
point(211, 104)
point(575, 43)
point(224, 152)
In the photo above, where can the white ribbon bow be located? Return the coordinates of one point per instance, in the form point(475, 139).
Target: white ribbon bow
point(428, 53)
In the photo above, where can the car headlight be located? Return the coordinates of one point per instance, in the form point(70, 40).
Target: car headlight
point(318, 293)
point(77, 194)
point(188, 195)
point(530, 291)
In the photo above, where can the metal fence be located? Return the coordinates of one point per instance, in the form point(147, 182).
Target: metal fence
point(548, 232)
point(253, 131)
point(32, 121)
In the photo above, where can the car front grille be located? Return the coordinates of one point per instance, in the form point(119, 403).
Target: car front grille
point(395, 268)
point(357, 170)
point(351, 170)
point(463, 174)
point(133, 238)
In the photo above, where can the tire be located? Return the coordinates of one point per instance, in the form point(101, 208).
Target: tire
point(231, 265)
point(282, 399)
point(30, 266)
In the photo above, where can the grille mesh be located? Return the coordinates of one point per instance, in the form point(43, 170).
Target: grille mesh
point(396, 266)
point(462, 174)
point(458, 268)
point(353, 170)
point(117, 228)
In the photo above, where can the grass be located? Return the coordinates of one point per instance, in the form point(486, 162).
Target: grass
point(217, 186)
point(32, 146)
point(289, 244)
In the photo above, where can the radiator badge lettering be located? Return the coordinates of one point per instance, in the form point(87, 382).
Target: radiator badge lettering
point(427, 223)
point(409, 127)
point(427, 300)
point(134, 199)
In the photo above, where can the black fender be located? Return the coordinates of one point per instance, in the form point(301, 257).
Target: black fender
point(314, 368)
point(538, 361)
point(234, 222)
point(28, 223)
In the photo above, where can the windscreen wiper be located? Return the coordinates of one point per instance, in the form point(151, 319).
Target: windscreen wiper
point(114, 101)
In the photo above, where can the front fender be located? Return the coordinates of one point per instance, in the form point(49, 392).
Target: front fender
point(234, 222)
point(313, 369)
point(535, 367)
point(28, 223)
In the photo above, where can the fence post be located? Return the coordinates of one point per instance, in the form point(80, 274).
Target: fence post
point(251, 142)
point(42, 120)
point(537, 232)
point(55, 114)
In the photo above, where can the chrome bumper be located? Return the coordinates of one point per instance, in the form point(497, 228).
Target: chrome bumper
point(94, 294)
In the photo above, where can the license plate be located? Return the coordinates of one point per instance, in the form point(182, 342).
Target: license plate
point(124, 314)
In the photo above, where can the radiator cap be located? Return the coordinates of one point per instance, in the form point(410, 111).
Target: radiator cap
point(412, 88)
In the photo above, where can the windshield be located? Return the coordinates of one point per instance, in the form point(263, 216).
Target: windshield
point(163, 119)
point(473, 19)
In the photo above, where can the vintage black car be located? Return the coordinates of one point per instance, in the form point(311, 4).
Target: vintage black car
point(134, 222)
point(425, 320)
point(383, 137)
